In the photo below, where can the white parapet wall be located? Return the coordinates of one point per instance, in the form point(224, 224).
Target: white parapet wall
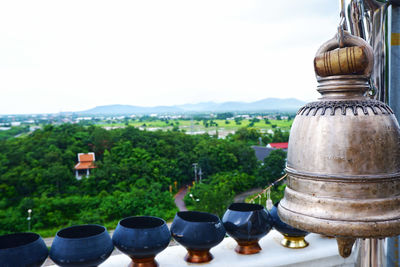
point(322, 252)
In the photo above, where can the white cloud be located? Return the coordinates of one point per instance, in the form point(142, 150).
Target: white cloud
point(73, 55)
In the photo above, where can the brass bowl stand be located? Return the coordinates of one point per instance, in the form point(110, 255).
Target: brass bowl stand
point(294, 242)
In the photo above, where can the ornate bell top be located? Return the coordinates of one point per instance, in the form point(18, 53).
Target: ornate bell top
point(343, 75)
point(344, 72)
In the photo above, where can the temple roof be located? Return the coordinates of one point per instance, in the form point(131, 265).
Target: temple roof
point(86, 161)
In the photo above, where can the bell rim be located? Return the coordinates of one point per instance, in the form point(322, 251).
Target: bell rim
point(356, 229)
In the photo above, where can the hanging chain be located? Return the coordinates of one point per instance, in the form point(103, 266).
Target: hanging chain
point(342, 24)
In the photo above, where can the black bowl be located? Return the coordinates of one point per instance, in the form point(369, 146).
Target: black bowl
point(247, 223)
point(198, 232)
point(81, 245)
point(22, 249)
point(293, 237)
point(142, 238)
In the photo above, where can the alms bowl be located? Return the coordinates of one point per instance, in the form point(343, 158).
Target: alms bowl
point(247, 223)
point(198, 232)
point(142, 238)
point(81, 245)
point(293, 237)
point(22, 249)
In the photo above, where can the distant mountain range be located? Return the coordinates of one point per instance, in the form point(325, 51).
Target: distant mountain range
point(267, 104)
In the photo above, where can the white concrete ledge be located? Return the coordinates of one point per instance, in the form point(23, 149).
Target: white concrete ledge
point(322, 252)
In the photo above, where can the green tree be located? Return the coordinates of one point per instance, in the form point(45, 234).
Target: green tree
point(217, 193)
point(273, 167)
point(238, 120)
point(134, 170)
point(248, 135)
point(224, 116)
point(280, 136)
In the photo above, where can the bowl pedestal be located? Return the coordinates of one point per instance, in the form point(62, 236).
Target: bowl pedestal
point(198, 256)
point(143, 262)
point(247, 247)
point(294, 242)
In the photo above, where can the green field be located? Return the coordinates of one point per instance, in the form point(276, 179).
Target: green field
point(198, 126)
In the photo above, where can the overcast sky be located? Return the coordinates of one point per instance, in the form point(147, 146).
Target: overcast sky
point(74, 55)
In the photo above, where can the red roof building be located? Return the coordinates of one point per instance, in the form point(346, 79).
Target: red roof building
point(85, 163)
point(278, 145)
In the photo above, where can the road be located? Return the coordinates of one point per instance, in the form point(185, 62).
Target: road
point(241, 197)
point(179, 199)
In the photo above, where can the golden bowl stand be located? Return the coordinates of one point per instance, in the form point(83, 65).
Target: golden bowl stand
point(294, 242)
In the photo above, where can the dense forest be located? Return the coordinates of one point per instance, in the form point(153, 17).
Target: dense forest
point(13, 131)
point(135, 173)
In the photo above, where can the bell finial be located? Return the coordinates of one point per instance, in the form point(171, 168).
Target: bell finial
point(343, 66)
point(354, 58)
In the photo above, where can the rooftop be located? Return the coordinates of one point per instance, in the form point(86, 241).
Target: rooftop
point(86, 161)
point(278, 145)
point(261, 152)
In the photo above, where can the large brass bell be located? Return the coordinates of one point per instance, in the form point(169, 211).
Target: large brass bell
point(343, 161)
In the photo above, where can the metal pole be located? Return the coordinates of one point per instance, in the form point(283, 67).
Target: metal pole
point(29, 219)
point(393, 249)
point(394, 75)
point(371, 252)
point(195, 172)
point(200, 173)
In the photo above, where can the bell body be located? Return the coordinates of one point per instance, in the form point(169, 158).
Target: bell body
point(343, 164)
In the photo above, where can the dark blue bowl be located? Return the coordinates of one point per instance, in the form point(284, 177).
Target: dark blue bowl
point(81, 245)
point(198, 232)
point(142, 238)
point(293, 237)
point(247, 223)
point(22, 249)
